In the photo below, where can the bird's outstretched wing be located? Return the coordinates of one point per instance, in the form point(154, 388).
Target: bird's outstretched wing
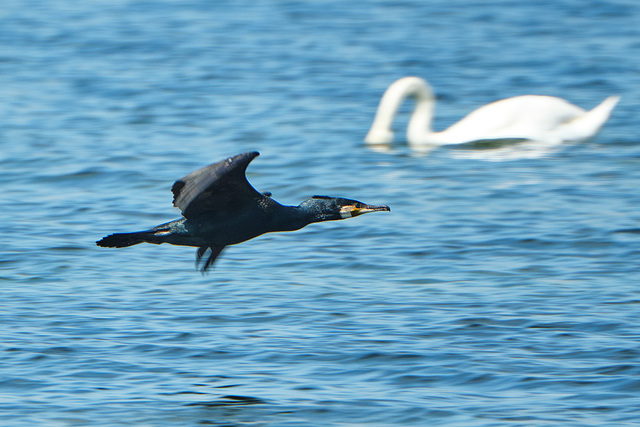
point(221, 186)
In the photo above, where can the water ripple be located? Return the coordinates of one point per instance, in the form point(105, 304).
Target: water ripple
point(501, 289)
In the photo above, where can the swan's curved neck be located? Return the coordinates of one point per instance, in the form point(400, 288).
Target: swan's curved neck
point(421, 118)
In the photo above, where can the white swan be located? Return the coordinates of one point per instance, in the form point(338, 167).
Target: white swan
point(528, 117)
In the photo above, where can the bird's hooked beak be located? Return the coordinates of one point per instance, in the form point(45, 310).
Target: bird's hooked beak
point(361, 208)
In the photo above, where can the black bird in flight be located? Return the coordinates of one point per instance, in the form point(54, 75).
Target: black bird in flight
point(220, 208)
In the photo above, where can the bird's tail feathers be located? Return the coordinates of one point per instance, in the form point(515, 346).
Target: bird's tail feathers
point(597, 116)
point(121, 240)
point(605, 108)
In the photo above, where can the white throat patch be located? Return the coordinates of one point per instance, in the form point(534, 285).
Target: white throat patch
point(346, 211)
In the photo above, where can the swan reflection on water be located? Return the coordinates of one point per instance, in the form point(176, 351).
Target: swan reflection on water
point(525, 126)
point(496, 150)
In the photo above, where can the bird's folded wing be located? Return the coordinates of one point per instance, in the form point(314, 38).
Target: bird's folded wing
point(221, 186)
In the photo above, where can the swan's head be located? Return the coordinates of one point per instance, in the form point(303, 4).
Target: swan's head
point(379, 135)
point(420, 121)
point(324, 208)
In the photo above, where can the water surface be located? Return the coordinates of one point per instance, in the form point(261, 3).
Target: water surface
point(500, 289)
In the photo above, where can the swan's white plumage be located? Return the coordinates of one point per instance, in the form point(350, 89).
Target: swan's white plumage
point(528, 117)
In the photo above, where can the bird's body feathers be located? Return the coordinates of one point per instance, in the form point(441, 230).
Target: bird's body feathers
point(221, 208)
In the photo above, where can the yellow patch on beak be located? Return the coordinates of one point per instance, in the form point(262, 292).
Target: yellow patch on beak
point(349, 211)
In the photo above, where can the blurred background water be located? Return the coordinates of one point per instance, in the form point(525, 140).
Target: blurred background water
point(498, 291)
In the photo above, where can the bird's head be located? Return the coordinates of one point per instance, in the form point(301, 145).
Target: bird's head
point(325, 208)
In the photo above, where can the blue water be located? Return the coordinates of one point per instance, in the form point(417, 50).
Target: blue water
point(499, 290)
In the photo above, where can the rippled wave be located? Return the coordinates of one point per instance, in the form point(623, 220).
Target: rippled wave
point(500, 290)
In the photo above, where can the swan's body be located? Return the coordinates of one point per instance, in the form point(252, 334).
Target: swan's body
point(527, 117)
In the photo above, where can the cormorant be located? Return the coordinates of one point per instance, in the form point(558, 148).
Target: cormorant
point(220, 208)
